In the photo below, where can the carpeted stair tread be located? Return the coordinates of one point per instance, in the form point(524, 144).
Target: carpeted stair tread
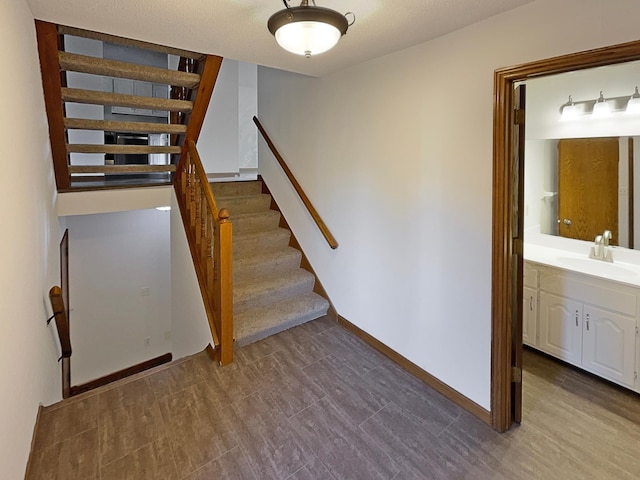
point(113, 68)
point(263, 263)
point(268, 240)
point(238, 204)
point(261, 291)
point(255, 222)
point(227, 189)
point(251, 325)
point(270, 291)
point(94, 97)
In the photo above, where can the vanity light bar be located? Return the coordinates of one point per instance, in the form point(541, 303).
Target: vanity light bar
point(600, 107)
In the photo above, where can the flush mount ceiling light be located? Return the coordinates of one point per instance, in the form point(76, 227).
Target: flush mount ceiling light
point(308, 29)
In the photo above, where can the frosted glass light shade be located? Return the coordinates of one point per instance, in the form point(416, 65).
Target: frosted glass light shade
point(633, 105)
point(307, 30)
point(307, 38)
point(601, 108)
point(569, 111)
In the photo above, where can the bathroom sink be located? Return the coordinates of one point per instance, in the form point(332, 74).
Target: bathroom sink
point(597, 267)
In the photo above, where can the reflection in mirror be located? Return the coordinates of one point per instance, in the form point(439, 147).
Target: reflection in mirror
point(577, 188)
point(579, 175)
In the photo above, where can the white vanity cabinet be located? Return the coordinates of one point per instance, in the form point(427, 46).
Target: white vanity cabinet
point(609, 345)
point(561, 327)
point(530, 306)
point(587, 321)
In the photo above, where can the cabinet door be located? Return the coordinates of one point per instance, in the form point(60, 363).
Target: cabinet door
point(530, 316)
point(609, 345)
point(561, 327)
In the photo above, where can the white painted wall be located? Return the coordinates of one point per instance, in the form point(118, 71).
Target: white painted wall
point(190, 329)
point(396, 155)
point(228, 140)
point(112, 257)
point(541, 186)
point(107, 201)
point(29, 372)
point(247, 109)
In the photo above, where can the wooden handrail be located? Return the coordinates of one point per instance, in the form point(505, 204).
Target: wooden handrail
point(209, 233)
point(64, 334)
point(52, 83)
point(305, 200)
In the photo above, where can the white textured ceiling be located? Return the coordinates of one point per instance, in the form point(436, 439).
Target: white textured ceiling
point(237, 28)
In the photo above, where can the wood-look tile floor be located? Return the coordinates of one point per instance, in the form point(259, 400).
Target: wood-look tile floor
point(315, 402)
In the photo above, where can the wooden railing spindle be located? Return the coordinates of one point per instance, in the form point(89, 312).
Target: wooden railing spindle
point(209, 233)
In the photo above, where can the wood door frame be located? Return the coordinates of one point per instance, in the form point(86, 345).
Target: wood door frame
point(503, 175)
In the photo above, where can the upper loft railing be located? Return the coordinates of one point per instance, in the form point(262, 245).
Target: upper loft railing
point(209, 234)
point(139, 114)
point(305, 200)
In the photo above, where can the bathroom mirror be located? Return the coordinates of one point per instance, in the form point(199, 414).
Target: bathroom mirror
point(586, 163)
point(577, 188)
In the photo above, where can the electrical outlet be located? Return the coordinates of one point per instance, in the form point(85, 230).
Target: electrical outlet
point(145, 291)
point(147, 341)
point(167, 335)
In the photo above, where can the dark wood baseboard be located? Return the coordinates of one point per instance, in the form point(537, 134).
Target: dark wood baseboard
point(120, 374)
point(439, 386)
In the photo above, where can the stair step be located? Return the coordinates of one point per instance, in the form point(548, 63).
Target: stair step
point(269, 240)
point(103, 37)
point(228, 189)
point(244, 203)
point(121, 169)
point(94, 97)
point(121, 149)
point(265, 263)
point(113, 68)
point(128, 127)
point(245, 223)
point(263, 291)
point(251, 325)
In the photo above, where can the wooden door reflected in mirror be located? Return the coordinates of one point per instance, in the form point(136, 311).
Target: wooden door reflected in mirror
point(588, 187)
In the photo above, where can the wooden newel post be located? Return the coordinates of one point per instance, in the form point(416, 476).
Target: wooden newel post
point(224, 285)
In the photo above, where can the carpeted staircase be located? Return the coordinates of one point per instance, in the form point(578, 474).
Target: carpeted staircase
point(270, 291)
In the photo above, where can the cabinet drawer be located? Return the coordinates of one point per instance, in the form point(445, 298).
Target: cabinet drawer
point(602, 293)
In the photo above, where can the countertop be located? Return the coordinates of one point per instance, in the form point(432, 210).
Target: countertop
point(619, 271)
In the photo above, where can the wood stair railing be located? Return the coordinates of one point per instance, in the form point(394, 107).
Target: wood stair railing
point(326, 233)
point(191, 86)
point(64, 335)
point(209, 234)
point(185, 114)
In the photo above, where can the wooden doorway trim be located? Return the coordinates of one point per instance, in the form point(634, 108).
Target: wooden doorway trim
point(503, 174)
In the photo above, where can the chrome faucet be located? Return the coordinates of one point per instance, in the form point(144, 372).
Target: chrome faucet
point(601, 250)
